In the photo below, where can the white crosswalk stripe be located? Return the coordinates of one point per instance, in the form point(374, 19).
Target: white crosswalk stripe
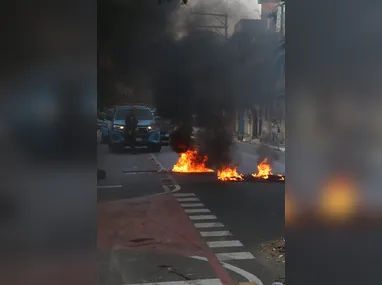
point(208, 225)
point(188, 199)
point(216, 234)
point(234, 256)
point(224, 243)
point(192, 205)
point(203, 217)
point(194, 211)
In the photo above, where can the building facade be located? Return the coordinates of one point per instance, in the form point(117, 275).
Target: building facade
point(277, 19)
point(254, 119)
point(249, 37)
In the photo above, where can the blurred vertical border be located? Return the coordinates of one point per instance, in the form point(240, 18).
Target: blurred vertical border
point(334, 131)
point(48, 83)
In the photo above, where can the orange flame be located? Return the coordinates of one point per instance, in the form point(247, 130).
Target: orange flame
point(190, 162)
point(263, 170)
point(229, 173)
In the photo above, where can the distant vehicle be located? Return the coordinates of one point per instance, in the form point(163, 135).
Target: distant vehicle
point(147, 133)
point(165, 128)
point(106, 125)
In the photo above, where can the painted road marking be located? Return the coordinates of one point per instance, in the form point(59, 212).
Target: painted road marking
point(175, 185)
point(109, 186)
point(153, 157)
point(190, 205)
point(188, 282)
point(216, 234)
point(222, 257)
point(208, 225)
point(184, 195)
point(234, 256)
point(202, 217)
point(224, 243)
point(247, 275)
point(193, 211)
point(188, 199)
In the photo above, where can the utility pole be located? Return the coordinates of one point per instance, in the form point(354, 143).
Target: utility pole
point(226, 26)
point(217, 16)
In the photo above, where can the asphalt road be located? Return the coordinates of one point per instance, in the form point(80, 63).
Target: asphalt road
point(244, 155)
point(252, 212)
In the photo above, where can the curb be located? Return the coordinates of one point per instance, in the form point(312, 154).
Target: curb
point(258, 144)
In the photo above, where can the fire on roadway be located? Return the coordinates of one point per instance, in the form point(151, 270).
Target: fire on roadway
point(192, 162)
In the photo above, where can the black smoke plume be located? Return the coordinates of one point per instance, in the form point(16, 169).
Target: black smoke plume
point(188, 76)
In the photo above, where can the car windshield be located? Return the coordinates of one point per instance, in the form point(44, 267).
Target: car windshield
point(140, 114)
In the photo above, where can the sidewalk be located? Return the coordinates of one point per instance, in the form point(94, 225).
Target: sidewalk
point(251, 146)
point(257, 142)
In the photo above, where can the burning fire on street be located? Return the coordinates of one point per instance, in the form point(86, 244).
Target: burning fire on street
point(191, 162)
point(264, 171)
point(230, 174)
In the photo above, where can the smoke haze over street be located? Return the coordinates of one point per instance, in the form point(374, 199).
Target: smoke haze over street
point(156, 50)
